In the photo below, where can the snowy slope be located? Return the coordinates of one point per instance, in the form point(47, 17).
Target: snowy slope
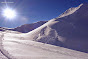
point(19, 48)
point(69, 30)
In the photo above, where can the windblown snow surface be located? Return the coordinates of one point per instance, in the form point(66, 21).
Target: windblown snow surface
point(16, 47)
point(69, 30)
point(51, 40)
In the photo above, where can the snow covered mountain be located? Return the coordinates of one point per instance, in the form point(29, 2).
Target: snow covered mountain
point(69, 30)
point(29, 27)
point(25, 28)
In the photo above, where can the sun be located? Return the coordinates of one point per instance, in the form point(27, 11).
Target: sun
point(9, 13)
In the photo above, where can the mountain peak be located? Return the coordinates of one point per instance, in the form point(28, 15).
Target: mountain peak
point(74, 9)
point(84, 4)
point(69, 30)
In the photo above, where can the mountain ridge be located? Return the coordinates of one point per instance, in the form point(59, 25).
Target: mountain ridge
point(69, 31)
point(25, 28)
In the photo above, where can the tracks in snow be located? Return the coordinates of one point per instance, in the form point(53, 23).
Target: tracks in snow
point(4, 53)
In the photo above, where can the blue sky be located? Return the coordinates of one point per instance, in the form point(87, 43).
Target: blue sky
point(29, 11)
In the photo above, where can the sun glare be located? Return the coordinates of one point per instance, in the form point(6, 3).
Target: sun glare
point(9, 13)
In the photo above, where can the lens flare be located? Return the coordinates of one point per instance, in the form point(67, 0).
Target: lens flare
point(9, 13)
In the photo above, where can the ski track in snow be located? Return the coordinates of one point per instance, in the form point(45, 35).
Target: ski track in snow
point(3, 54)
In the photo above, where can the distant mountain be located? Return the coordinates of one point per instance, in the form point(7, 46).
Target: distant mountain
point(25, 28)
point(69, 30)
point(29, 27)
